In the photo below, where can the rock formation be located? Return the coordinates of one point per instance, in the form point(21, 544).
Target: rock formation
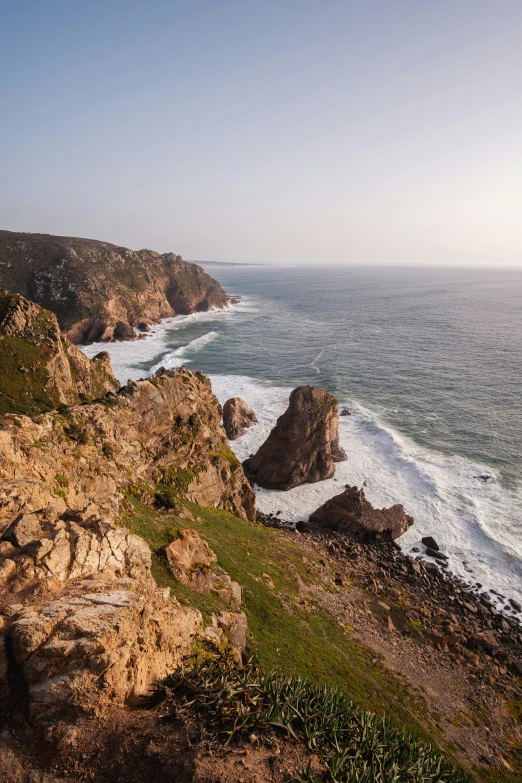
point(41, 368)
point(194, 564)
point(82, 621)
point(352, 514)
point(100, 291)
point(166, 429)
point(237, 417)
point(303, 445)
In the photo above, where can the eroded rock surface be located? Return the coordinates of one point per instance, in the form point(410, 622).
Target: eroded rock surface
point(100, 291)
point(193, 562)
point(82, 621)
point(304, 444)
point(351, 513)
point(41, 368)
point(237, 417)
point(166, 429)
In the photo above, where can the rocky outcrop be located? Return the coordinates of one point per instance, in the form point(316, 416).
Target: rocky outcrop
point(237, 417)
point(193, 562)
point(100, 291)
point(166, 429)
point(41, 368)
point(82, 621)
point(304, 444)
point(352, 514)
point(99, 642)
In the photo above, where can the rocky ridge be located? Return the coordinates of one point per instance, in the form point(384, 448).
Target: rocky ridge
point(42, 369)
point(304, 444)
point(100, 291)
point(162, 430)
point(82, 621)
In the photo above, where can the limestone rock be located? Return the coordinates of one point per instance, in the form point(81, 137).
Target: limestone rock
point(303, 445)
point(350, 512)
point(237, 417)
point(100, 291)
point(41, 369)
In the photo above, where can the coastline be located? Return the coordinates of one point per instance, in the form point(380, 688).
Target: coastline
point(435, 489)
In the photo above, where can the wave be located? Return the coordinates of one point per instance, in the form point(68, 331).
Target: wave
point(178, 357)
point(476, 524)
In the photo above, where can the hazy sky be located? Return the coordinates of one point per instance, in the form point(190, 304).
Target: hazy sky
point(377, 131)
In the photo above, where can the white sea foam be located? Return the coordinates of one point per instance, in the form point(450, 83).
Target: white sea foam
point(477, 524)
point(473, 522)
point(128, 358)
point(179, 356)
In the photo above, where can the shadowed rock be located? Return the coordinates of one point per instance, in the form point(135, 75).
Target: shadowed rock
point(237, 417)
point(100, 291)
point(303, 445)
point(351, 513)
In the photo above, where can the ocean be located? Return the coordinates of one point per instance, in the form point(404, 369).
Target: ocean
point(426, 359)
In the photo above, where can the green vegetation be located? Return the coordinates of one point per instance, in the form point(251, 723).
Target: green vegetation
point(515, 709)
point(61, 480)
point(355, 744)
point(167, 497)
point(301, 639)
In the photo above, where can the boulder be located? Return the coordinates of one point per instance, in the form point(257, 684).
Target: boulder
point(98, 643)
point(187, 553)
point(237, 417)
point(193, 562)
point(304, 444)
point(351, 513)
point(23, 530)
point(430, 542)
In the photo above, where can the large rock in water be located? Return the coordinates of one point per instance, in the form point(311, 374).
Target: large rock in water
point(351, 513)
point(237, 417)
point(303, 445)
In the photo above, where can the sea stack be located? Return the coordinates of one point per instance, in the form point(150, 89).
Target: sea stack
point(351, 513)
point(304, 444)
point(237, 417)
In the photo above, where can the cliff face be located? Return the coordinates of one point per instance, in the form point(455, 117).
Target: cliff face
point(99, 291)
point(82, 620)
point(41, 368)
point(164, 430)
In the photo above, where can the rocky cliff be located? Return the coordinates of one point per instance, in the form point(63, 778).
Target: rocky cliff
point(82, 621)
point(165, 430)
point(100, 291)
point(41, 368)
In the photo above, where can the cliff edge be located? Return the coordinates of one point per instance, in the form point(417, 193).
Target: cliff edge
point(99, 291)
point(41, 368)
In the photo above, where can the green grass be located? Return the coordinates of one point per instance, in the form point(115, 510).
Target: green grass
point(301, 641)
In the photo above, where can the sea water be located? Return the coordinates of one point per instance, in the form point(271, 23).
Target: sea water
point(426, 359)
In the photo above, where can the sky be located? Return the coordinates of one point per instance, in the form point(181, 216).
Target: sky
point(286, 131)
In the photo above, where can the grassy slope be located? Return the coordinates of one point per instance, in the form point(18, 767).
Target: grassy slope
point(301, 641)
